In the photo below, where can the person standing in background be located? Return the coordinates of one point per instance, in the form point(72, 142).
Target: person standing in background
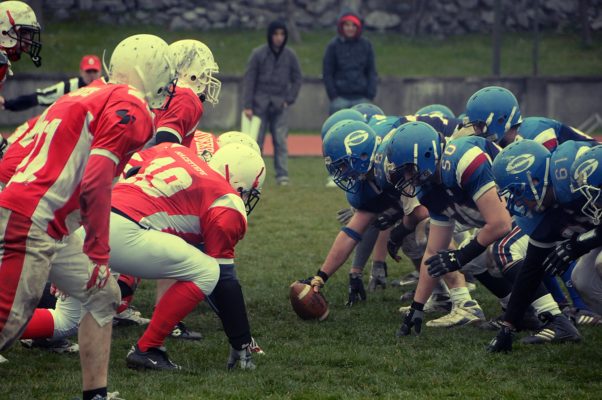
point(348, 68)
point(89, 70)
point(270, 86)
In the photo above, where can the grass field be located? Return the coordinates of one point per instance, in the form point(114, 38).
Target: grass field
point(352, 355)
point(561, 54)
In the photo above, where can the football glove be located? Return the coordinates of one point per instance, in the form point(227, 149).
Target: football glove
point(502, 342)
point(99, 278)
point(396, 238)
point(388, 218)
point(243, 357)
point(357, 292)
point(413, 319)
point(57, 293)
point(344, 215)
point(559, 259)
point(378, 276)
point(452, 260)
point(316, 282)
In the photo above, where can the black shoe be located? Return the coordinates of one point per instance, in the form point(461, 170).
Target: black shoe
point(557, 329)
point(154, 358)
point(180, 331)
point(502, 342)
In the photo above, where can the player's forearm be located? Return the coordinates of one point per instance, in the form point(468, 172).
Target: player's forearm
point(339, 253)
point(95, 207)
point(494, 231)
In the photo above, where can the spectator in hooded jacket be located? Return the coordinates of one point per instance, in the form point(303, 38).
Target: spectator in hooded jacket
point(270, 86)
point(349, 69)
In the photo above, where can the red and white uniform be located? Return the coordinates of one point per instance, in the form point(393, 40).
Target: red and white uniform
point(204, 144)
point(178, 193)
point(182, 116)
point(19, 148)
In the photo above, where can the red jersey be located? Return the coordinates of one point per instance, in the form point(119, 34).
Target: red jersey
point(204, 144)
point(21, 141)
point(111, 121)
point(182, 116)
point(178, 193)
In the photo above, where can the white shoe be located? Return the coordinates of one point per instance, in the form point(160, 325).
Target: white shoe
point(128, 317)
point(465, 313)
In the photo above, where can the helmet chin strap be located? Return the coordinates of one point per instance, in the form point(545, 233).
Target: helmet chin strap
point(539, 199)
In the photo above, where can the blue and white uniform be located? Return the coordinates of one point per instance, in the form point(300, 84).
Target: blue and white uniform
point(550, 132)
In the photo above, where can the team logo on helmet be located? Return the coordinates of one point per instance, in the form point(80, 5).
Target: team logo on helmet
point(520, 164)
point(354, 139)
point(585, 170)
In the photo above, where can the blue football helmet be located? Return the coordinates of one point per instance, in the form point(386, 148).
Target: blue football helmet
point(438, 110)
point(368, 110)
point(586, 178)
point(384, 125)
point(494, 110)
point(348, 149)
point(341, 115)
point(412, 156)
point(522, 171)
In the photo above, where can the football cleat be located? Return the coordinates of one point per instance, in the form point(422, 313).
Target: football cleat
point(502, 342)
point(557, 329)
point(406, 280)
point(110, 396)
point(58, 346)
point(154, 358)
point(181, 331)
point(436, 303)
point(129, 317)
point(530, 322)
point(407, 296)
point(243, 357)
point(582, 317)
point(467, 313)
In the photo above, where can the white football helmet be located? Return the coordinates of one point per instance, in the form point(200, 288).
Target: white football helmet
point(196, 66)
point(243, 168)
point(237, 137)
point(19, 31)
point(142, 61)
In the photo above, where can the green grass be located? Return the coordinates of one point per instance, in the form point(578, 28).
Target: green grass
point(352, 355)
point(561, 54)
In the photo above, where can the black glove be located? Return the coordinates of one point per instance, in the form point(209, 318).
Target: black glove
point(413, 319)
point(452, 260)
point(502, 342)
point(396, 239)
point(344, 215)
point(559, 259)
point(388, 218)
point(356, 289)
point(3, 144)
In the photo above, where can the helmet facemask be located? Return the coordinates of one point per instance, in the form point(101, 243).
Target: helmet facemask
point(343, 175)
point(591, 193)
point(517, 194)
point(28, 41)
point(408, 179)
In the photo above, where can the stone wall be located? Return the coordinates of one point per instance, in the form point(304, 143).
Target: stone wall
point(569, 99)
point(410, 17)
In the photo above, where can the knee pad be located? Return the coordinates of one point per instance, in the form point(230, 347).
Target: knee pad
point(228, 298)
point(103, 304)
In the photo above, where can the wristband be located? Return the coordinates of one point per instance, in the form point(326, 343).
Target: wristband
point(322, 275)
point(469, 252)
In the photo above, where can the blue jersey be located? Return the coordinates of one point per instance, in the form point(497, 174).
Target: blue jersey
point(564, 218)
point(465, 175)
point(445, 126)
point(550, 132)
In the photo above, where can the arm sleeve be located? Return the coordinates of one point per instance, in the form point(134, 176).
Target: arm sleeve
point(249, 80)
point(371, 73)
point(22, 102)
point(225, 227)
point(95, 206)
point(49, 95)
point(295, 79)
point(328, 67)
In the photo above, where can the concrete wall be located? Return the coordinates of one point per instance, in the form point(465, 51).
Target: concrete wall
point(569, 99)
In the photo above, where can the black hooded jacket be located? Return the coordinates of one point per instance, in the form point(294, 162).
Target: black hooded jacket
point(273, 76)
point(348, 68)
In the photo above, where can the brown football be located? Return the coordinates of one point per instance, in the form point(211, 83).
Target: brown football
point(307, 303)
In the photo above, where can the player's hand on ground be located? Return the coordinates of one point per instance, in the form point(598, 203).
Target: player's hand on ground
point(244, 358)
point(316, 282)
point(357, 292)
point(99, 277)
point(443, 262)
point(412, 320)
point(344, 215)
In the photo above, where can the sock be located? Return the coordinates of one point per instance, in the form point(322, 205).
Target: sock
point(573, 294)
point(179, 300)
point(41, 325)
point(546, 304)
point(500, 287)
point(554, 289)
point(441, 288)
point(459, 295)
point(90, 394)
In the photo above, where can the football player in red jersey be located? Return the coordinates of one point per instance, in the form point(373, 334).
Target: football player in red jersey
point(82, 143)
point(161, 215)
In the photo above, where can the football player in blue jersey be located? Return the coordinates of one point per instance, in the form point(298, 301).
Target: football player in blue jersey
point(538, 188)
point(586, 177)
point(368, 110)
point(550, 132)
point(454, 182)
point(438, 110)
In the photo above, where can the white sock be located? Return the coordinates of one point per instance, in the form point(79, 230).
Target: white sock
point(459, 295)
point(546, 304)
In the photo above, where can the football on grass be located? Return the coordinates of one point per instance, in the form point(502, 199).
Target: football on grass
point(307, 303)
